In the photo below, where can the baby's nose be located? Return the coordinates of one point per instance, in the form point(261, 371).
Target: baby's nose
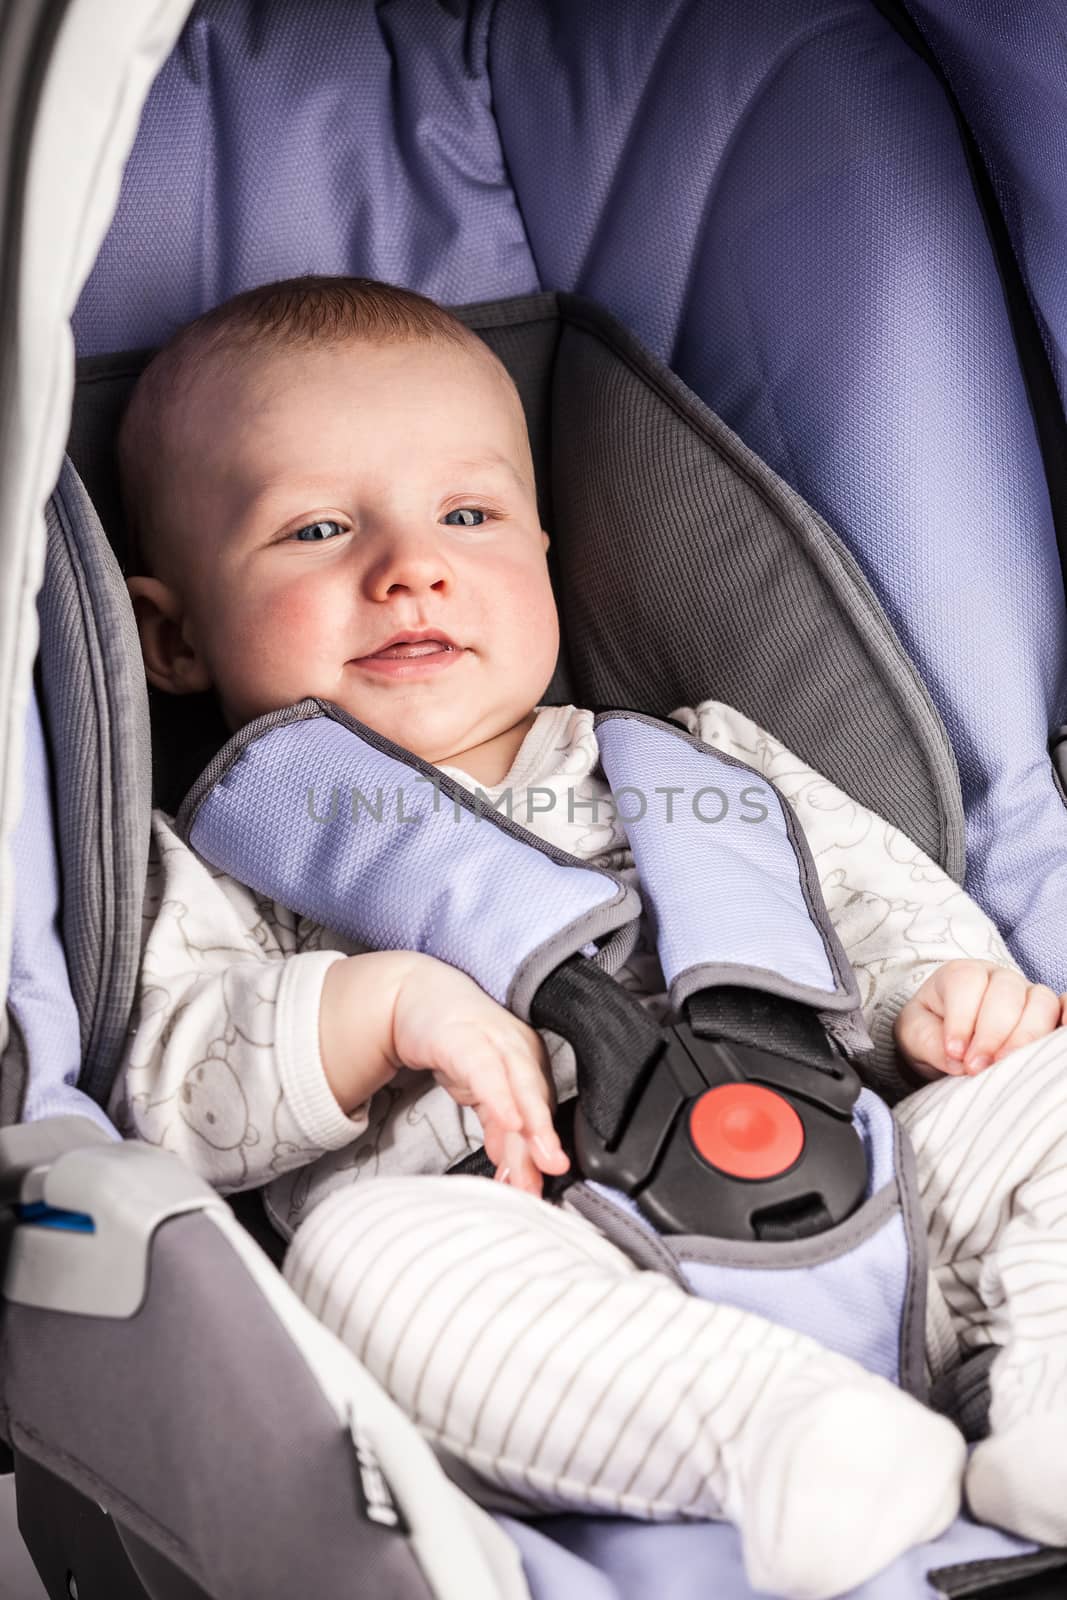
point(412, 563)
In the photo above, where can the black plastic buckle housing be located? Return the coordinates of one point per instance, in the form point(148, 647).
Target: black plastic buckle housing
point(655, 1159)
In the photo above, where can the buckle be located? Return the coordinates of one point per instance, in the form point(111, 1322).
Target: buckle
point(732, 1141)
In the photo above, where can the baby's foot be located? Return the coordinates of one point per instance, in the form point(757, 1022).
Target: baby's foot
point(1017, 1478)
point(836, 1482)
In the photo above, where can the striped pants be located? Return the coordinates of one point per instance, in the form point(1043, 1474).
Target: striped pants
point(531, 1350)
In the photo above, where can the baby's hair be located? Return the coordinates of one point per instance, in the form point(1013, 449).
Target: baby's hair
point(292, 313)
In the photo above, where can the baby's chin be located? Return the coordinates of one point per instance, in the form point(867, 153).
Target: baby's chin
point(431, 725)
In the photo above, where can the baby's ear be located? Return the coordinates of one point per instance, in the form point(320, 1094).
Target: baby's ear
point(547, 540)
point(171, 662)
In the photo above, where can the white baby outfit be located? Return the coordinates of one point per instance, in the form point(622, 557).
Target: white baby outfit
point(538, 1358)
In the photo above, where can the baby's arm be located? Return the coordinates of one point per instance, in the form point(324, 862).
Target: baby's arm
point(252, 1054)
point(384, 1010)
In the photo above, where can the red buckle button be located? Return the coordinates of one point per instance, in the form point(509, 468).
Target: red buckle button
point(746, 1131)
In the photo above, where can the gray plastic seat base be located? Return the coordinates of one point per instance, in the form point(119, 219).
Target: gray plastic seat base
point(78, 1549)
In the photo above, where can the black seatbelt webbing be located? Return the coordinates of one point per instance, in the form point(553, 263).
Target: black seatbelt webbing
point(1041, 1575)
point(615, 1040)
point(771, 1022)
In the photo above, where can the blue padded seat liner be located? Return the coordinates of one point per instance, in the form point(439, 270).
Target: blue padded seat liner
point(40, 1000)
point(1008, 70)
point(817, 269)
point(611, 1558)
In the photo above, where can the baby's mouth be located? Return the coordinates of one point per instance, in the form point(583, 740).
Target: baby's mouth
point(401, 652)
point(411, 655)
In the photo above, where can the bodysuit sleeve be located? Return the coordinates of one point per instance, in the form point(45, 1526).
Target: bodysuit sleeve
point(898, 915)
point(222, 1061)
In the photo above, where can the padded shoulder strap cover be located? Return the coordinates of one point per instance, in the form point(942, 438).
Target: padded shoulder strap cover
point(726, 874)
point(336, 822)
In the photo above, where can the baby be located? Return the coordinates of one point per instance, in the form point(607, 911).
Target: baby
point(330, 492)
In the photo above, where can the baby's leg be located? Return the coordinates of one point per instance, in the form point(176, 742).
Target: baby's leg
point(523, 1342)
point(992, 1166)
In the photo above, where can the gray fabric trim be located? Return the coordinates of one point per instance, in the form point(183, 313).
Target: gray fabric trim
point(606, 918)
point(531, 973)
point(758, 573)
point(699, 977)
point(645, 1248)
point(849, 1031)
point(510, 313)
point(872, 1215)
point(14, 1073)
point(619, 948)
point(706, 974)
point(95, 714)
point(913, 1311)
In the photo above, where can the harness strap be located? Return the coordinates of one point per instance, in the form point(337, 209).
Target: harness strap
point(615, 1040)
point(768, 1022)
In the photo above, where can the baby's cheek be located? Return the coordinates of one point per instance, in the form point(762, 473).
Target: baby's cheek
point(290, 619)
point(277, 640)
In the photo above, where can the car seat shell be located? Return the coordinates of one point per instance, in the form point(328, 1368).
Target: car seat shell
point(73, 183)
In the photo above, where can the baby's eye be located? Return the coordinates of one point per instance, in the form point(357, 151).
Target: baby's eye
point(314, 530)
point(465, 512)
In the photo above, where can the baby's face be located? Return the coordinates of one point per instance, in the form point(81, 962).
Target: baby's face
point(331, 498)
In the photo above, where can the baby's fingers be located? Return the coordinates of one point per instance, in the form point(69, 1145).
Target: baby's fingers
point(920, 1038)
point(1003, 1007)
point(1041, 1014)
point(961, 987)
point(515, 1167)
point(482, 1081)
point(511, 1095)
point(532, 1089)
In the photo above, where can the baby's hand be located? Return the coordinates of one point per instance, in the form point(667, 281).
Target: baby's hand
point(969, 1014)
point(485, 1057)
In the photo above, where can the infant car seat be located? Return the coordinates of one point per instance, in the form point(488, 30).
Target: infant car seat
point(139, 1312)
